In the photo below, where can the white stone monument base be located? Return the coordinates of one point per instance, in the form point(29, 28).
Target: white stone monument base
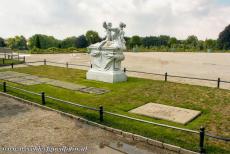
point(108, 76)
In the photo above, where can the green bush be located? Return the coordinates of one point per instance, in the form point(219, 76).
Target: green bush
point(57, 50)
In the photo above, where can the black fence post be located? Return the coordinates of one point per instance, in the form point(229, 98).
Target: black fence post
point(44, 61)
point(125, 70)
point(218, 83)
point(91, 66)
point(43, 98)
point(67, 65)
point(4, 87)
point(166, 76)
point(3, 61)
point(202, 133)
point(24, 59)
point(12, 65)
point(101, 113)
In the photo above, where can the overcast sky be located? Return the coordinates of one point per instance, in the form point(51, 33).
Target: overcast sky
point(63, 18)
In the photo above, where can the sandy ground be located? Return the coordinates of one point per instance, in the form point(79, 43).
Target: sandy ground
point(23, 125)
point(201, 65)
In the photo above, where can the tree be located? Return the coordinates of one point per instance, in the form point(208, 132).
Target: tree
point(2, 42)
point(172, 42)
point(69, 42)
point(43, 42)
point(135, 41)
point(92, 37)
point(210, 44)
point(224, 38)
point(18, 42)
point(192, 41)
point(81, 42)
point(164, 40)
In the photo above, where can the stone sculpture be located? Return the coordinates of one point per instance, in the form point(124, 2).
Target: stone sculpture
point(106, 56)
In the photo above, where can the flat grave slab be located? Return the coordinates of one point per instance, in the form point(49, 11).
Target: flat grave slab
point(165, 112)
point(29, 82)
point(93, 90)
point(27, 79)
point(66, 85)
point(15, 79)
point(10, 74)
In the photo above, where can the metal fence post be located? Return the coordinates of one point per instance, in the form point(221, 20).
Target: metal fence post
point(67, 65)
point(202, 133)
point(218, 83)
point(24, 59)
point(101, 113)
point(125, 70)
point(44, 61)
point(18, 56)
point(91, 66)
point(3, 61)
point(12, 65)
point(4, 87)
point(166, 76)
point(43, 98)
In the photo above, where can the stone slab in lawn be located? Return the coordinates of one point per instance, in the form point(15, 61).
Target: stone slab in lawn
point(15, 79)
point(66, 85)
point(165, 112)
point(27, 79)
point(10, 74)
point(29, 82)
point(93, 90)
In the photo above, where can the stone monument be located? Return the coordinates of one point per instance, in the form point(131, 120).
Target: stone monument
point(106, 56)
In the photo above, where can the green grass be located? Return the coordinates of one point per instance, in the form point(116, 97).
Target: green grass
point(214, 104)
point(9, 62)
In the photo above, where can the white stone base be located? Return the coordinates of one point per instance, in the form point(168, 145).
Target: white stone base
point(109, 76)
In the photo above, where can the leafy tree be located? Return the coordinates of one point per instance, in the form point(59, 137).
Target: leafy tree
point(210, 44)
point(135, 41)
point(69, 42)
point(81, 42)
point(164, 40)
point(192, 41)
point(224, 39)
point(2, 42)
point(92, 37)
point(18, 42)
point(127, 41)
point(172, 42)
point(43, 42)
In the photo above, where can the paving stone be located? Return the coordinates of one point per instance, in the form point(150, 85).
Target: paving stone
point(15, 79)
point(172, 147)
point(66, 85)
point(45, 80)
point(30, 77)
point(11, 74)
point(155, 143)
point(160, 111)
point(29, 82)
point(93, 90)
point(27, 79)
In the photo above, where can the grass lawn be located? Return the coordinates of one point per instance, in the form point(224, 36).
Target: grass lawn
point(9, 61)
point(214, 104)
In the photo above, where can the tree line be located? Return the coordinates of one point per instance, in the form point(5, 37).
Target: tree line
point(39, 41)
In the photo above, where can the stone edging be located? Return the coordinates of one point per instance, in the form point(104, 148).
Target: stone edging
point(127, 135)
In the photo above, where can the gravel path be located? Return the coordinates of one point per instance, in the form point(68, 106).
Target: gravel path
point(23, 125)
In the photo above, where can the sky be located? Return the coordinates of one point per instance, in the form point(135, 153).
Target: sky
point(65, 18)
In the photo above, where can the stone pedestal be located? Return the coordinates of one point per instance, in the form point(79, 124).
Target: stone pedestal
point(111, 76)
point(106, 65)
